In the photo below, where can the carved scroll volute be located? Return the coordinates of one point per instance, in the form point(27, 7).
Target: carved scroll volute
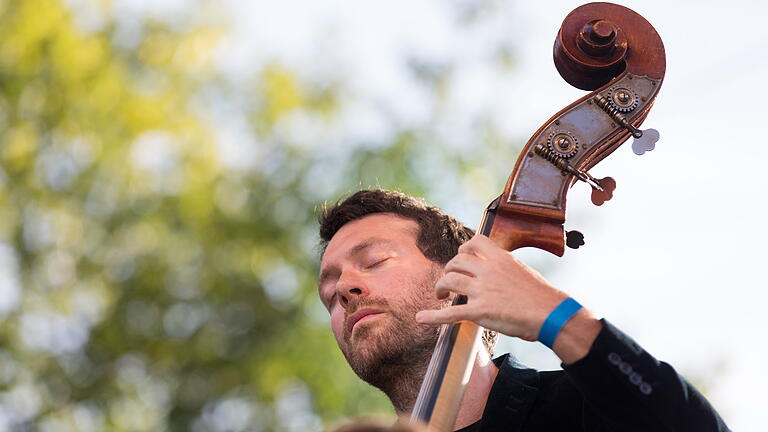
point(602, 47)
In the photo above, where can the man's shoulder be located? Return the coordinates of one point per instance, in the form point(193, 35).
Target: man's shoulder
point(543, 398)
point(511, 369)
point(546, 382)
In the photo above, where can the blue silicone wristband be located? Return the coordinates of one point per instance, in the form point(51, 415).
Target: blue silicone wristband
point(556, 320)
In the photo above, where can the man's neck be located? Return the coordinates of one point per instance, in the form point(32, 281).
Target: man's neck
point(475, 394)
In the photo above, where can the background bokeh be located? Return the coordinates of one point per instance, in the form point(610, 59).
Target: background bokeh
point(162, 163)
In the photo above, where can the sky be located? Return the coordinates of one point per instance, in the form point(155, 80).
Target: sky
point(675, 258)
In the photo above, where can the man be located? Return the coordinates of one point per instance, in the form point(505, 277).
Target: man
point(390, 266)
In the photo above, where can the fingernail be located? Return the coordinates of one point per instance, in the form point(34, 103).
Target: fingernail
point(420, 317)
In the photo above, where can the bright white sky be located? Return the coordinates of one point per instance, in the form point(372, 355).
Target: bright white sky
point(675, 259)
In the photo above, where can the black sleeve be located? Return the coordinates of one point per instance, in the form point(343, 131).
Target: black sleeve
point(627, 389)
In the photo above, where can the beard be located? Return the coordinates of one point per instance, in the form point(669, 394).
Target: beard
point(393, 354)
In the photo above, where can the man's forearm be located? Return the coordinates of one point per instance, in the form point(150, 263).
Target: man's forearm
point(627, 389)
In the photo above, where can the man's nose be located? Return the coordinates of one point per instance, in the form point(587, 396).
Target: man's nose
point(350, 286)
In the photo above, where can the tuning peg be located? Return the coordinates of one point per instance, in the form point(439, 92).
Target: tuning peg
point(644, 141)
point(604, 191)
point(574, 239)
point(622, 100)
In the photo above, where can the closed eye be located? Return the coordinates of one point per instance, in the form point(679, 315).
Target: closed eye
point(377, 263)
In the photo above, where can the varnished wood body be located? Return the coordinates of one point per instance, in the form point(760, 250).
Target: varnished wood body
point(512, 230)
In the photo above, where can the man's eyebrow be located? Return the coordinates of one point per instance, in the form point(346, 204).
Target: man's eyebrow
point(365, 244)
point(357, 249)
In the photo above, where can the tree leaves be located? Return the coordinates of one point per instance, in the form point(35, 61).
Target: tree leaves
point(157, 228)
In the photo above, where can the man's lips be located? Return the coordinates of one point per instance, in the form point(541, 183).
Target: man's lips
point(360, 315)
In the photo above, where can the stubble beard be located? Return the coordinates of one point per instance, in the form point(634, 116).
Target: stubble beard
point(393, 355)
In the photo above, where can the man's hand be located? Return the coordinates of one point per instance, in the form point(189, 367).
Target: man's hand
point(507, 296)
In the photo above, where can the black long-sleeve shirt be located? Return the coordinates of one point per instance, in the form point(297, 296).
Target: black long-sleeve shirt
point(616, 387)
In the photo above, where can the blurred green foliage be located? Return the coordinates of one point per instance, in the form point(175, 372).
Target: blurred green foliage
point(145, 284)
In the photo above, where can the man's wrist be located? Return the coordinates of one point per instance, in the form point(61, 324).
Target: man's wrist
point(556, 320)
point(577, 336)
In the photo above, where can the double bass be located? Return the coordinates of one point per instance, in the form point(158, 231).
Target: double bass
point(616, 55)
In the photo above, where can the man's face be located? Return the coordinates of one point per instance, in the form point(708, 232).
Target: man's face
point(373, 280)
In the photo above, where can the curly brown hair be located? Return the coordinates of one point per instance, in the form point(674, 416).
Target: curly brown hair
point(439, 236)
